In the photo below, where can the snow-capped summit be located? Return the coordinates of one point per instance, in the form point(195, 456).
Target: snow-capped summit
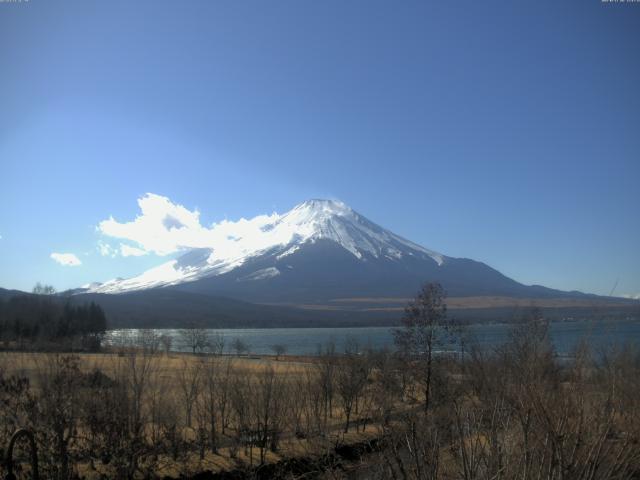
point(335, 221)
point(278, 236)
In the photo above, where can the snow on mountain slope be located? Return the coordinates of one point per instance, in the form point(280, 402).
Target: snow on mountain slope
point(281, 235)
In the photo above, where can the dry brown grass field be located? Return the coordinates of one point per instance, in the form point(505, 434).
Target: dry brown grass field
point(169, 376)
point(168, 366)
point(517, 412)
point(397, 304)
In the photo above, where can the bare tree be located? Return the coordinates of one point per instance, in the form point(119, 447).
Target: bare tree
point(189, 381)
point(279, 349)
point(315, 413)
point(351, 377)
point(241, 401)
point(387, 387)
point(104, 405)
point(425, 328)
point(195, 338)
point(59, 409)
point(216, 344)
point(297, 395)
point(208, 401)
point(148, 340)
point(327, 370)
point(240, 346)
point(268, 402)
point(224, 387)
point(168, 421)
point(166, 342)
point(136, 373)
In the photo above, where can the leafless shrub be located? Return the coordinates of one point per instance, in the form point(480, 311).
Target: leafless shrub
point(189, 383)
point(352, 374)
point(240, 346)
point(279, 349)
point(194, 338)
point(57, 412)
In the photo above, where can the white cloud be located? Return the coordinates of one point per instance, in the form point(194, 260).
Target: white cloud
point(106, 250)
point(164, 227)
point(125, 250)
point(129, 251)
point(633, 296)
point(66, 259)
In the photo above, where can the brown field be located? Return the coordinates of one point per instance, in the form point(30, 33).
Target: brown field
point(167, 376)
point(168, 366)
point(398, 303)
point(138, 413)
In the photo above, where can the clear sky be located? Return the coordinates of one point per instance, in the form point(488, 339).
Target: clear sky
point(506, 132)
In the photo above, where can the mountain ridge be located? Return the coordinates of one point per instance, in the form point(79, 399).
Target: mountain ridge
point(318, 251)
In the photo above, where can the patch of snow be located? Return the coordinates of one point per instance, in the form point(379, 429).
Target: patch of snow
point(288, 252)
point(261, 274)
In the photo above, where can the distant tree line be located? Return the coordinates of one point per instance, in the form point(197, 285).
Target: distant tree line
point(43, 319)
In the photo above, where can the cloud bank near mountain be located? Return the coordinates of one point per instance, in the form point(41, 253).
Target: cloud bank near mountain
point(164, 227)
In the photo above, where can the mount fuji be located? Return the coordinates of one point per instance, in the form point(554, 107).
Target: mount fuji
point(320, 252)
point(320, 264)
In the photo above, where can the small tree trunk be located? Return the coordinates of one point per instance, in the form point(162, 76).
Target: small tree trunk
point(348, 415)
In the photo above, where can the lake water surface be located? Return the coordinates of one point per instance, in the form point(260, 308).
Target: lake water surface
point(306, 341)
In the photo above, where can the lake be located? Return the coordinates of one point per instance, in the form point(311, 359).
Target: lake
point(305, 341)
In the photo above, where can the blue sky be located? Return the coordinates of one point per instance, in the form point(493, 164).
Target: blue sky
point(506, 132)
